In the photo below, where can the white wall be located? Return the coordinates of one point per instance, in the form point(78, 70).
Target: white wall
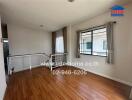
point(27, 41)
point(122, 69)
point(2, 70)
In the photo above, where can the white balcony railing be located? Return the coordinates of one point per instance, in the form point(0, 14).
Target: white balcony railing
point(57, 60)
point(25, 61)
point(28, 61)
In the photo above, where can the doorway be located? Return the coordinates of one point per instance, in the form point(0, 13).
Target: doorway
point(5, 47)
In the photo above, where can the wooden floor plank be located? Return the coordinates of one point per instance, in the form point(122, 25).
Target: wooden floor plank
point(41, 84)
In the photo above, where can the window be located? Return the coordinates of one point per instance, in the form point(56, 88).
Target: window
point(5, 41)
point(59, 43)
point(85, 43)
point(93, 42)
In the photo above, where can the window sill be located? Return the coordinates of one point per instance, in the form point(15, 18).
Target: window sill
point(93, 55)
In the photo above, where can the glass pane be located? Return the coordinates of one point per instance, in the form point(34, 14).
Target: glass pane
point(59, 42)
point(85, 43)
point(99, 42)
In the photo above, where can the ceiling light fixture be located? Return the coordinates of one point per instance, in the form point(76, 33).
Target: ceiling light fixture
point(71, 0)
point(41, 25)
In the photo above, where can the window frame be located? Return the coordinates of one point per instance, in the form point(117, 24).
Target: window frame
point(91, 30)
point(104, 44)
point(83, 43)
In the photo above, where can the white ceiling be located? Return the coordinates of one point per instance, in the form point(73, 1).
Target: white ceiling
point(53, 14)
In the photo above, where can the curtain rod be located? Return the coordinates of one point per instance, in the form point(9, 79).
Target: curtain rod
point(95, 27)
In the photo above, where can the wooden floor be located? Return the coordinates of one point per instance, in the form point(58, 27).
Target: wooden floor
point(41, 84)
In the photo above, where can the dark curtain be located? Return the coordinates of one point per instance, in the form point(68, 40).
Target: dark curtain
point(53, 42)
point(78, 45)
point(110, 46)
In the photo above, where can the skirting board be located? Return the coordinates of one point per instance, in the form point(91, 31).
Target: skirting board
point(27, 68)
point(4, 91)
point(112, 78)
point(109, 77)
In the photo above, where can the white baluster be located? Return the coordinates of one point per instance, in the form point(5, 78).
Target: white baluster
point(30, 62)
